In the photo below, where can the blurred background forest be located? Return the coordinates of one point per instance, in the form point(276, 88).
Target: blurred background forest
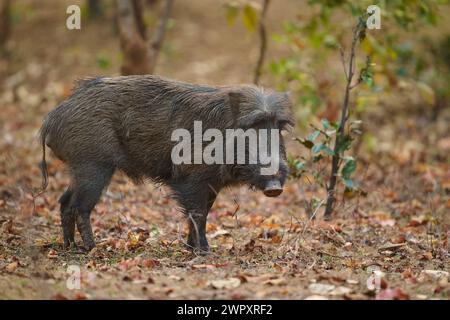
point(391, 212)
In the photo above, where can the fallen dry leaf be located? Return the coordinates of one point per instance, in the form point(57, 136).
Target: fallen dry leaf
point(392, 294)
point(418, 221)
point(382, 218)
point(276, 282)
point(6, 227)
point(426, 256)
point(218, 233)
point(52, 254)
point(12, 266)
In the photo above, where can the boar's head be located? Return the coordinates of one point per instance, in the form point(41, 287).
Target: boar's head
point(267, 114)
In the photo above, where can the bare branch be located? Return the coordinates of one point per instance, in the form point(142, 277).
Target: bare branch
point(138, 9)
point(125, 16)
point(312, 217)
point(160, 33)
point(358, 82)
point(263, 39)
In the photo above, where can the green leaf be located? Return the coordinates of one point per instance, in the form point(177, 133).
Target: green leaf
point(250, 17)
point(348, 169)
point(321, 147)
point(317, 148)
point(329, 151)
point(232, 12)
point(299, 165)
point(367, 79)
point(325, 124)
point(344, 144)
point(335, 125)
point(313, 136)
point(102, 62)
point(349, 183)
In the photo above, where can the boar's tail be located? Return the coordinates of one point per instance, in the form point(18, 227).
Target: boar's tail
point(43, 164)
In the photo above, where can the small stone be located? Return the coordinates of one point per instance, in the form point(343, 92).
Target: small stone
point(436, 274)
point(339, 291)
point(320, 288)
point(352, 281)
point(225, 283)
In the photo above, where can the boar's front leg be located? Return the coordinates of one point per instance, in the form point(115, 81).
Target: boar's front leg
point(197, 227)
point(197, 232)
point(196, 203)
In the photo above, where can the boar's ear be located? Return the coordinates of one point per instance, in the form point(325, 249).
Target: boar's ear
point(287, 95)
point(235, 99)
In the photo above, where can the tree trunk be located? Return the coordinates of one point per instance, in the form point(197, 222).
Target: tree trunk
point(133, 43)
point(139, 56)
point(94, 9)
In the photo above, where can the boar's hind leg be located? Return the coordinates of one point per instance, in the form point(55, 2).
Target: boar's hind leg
point(67, 219)
point(88, 184)
point(211, 198)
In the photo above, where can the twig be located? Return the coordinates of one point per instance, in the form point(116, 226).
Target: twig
point(343, 60)
point(329, 254)
point(312, 216)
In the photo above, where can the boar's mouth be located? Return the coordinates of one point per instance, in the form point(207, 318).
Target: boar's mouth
point(273, 188)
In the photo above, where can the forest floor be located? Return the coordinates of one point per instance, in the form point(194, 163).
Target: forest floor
point(390, 244)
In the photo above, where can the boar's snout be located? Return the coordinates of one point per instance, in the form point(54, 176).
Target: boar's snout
point(273, 188)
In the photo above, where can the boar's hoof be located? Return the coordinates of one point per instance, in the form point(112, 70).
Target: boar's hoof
point(89, 246)
point(200, 252)
point(85, 229)
point(68, 245)
point(202, 249)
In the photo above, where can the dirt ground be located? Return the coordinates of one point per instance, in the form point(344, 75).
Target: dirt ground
point(390, 244)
